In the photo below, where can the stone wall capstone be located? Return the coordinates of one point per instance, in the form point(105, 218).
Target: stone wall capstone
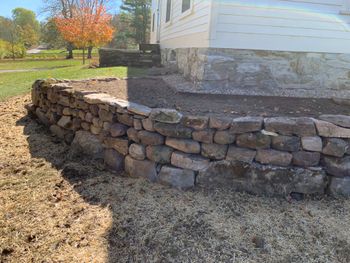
point(271, 156)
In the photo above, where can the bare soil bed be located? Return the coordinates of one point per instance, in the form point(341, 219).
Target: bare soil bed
point(55, 209)
point(155, 92)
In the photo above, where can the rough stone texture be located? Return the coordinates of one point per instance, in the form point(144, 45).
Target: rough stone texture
point(224, 137)
point(139, 109)
point(246, 124)
point(65, 122)
point(95, 98)
point(165, 115)
point(240, 154)
point(89, 117)
point(196, 122)
point(306, 159)
point(126, 119)
point(114, 160)
point(339, 186)
point(340, 120)
point(262, 179)
point(137, 151)
point(95, 130)
point(220, 123)
point(214, 151)
point(133, 134)
point(335, 147)
point(291, 126)
point(42, 117)
point(184, 145)
point(58, 131)
point(173, 130)
point(119, 144)
point(286, 143)
point(105, 115)
point(148, 124)
point(253, 140)
point(159, 153)
point(150, 138)
point(206, 136)
point(312, 144)
point(118, 129)
point(137, 168)
point(274, 157)
point(338, 167)
point(137, 124)
point(327, 129)
point(87, 143)
point(189, 161)
point(263, 72)
point(175, 177)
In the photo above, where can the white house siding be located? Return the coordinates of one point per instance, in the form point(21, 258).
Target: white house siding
point(281, 25)
point(182, 31)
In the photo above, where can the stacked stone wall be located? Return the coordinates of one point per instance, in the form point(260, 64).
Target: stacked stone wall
point(273, 156)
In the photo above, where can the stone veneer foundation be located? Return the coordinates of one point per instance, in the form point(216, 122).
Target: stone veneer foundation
point(260, 72)
point(270, 156)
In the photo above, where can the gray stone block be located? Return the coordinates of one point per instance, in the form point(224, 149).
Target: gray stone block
point(335, 147)
point(176, 177)
point(150, 138)
point(206, 136)
point(246, 124)
point(159, 153)
point(137, 151)
point(173, 130)
point(224, 137)
point(291, 126)
point(240, 154)
point(165, 115)
point(189, 161)
point(137, 168)
point(339, 186)
point(306, 159)
point(214, 151)
point(312, 144)
point(286, 143)
point(273, 157)
point(253, 140)
point(114, 160)
point(184, 145)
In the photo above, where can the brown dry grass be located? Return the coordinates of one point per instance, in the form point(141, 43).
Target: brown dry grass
point(59, 210)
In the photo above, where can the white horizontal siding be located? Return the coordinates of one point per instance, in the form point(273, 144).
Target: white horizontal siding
point(289, 25)
point(185, 31)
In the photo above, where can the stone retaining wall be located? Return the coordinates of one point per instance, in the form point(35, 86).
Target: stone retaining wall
point(272, 156)
point(262, 72)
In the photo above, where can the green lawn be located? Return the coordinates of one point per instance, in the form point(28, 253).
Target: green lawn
point(16, 83)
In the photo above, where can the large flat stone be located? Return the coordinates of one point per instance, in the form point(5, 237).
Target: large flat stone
point(246, 124)
point(150, 138)
point(86, 143)
point(312, 143)
point(240, 154)
point(327, 129)
point(339, 186)
point(286, 143)
point(119, 144)
point(214, 151)
point(340, 120)
point(139, 109)
point(338, 167)
point(253, 141)
point(220, 123)
point(159, 153)
point(137, 151)
point(273, 157)
point(165, 115)
point(176, 177)
point(95, 98)
point(306, 159)
point(118, 129)
point(184, 145)
point(335, 147)
point(224, 137)
point(196, 122)
point(148, 124)
point(137, 168)
point(114, 160)
point(262, 179)
point(291, 126)
point(173, 130)
point(189, 161)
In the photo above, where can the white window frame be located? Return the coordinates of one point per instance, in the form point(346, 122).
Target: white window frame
point(345, 8)
point(167, 23)
point(188, 11)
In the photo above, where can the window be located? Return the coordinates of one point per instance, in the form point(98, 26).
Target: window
point(153, 18)
point(186, 5)
point(168, 11)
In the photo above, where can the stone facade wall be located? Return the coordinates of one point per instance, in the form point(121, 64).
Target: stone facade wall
point(273, 156)
point(269, 73)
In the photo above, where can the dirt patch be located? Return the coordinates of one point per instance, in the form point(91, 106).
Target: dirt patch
point(155, 92)
point(55, 209)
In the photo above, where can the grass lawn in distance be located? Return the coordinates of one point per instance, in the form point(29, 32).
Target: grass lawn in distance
point(16, 83)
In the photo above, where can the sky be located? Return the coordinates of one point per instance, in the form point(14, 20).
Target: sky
point(6, 7)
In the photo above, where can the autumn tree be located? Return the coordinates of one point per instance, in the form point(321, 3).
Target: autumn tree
point(89, 25)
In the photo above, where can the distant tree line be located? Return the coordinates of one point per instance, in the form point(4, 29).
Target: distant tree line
point(66, 26)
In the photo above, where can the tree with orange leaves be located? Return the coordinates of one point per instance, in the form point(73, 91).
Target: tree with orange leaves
point(89, 25)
